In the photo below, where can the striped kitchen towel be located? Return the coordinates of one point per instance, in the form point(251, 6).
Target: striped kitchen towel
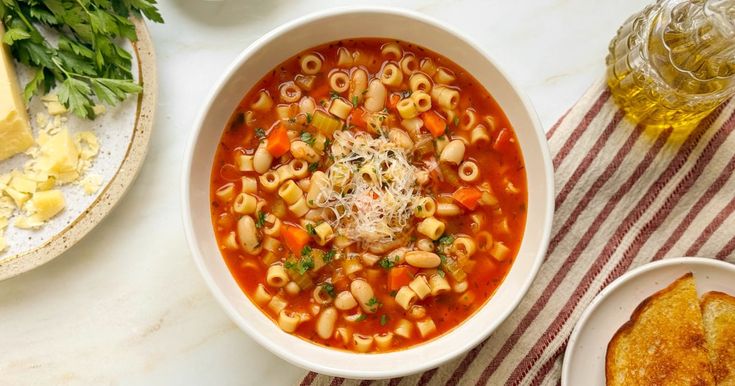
point(624, 196)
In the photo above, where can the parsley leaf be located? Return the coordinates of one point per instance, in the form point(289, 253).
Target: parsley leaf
point(387, 263)
point(445, 240)
point(456, 121)
point(260, 133)
point(260, 222)
point(308, 138)
point(86, 61)
point(373, 303)
point(333, 94)
point(305, 264)
point(310, 230)
point(329, 289)
point(329, 256)
point(308, 117)
point(313, 166)
point(306, 251)
point(354, 101)
point(361, 318)
point(384, 319)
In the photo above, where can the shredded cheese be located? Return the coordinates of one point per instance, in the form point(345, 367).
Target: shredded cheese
point(372, 186)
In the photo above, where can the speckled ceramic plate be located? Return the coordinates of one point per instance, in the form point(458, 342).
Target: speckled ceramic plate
point(123, 133)
point(584, 360)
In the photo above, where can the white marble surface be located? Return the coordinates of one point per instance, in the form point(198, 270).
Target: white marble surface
point(126, 305)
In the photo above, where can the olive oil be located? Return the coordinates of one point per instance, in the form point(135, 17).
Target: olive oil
point(673, 63)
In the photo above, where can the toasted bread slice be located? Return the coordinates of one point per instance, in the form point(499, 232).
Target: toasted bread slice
point(662, 343)
point(718, 315)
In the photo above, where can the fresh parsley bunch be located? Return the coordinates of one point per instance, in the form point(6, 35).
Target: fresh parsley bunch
point(87, 60)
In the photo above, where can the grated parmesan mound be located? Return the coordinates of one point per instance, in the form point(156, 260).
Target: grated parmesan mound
point(31, 196)
point(372, 187)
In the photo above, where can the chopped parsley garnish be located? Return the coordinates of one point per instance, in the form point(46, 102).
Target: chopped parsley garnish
point(445, 240)
point(308, 117)
point(329, 289)
point(456, 121)
point(361, 318)
point(305, 264)
point(384, 319)
point(333, 94)
point(310, 229)
point(354, 100)
point(260, 133)
point(260, 222)
point(306, 251)
point(329, 256)
point(302, 265)
point(393, 293)
point(387, 263)
point(373, 303)
point(443, 258)
point(308, 138)
point(440, 272)
point(313, 166)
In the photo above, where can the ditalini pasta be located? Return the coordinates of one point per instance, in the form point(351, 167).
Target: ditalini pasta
point(368, 195)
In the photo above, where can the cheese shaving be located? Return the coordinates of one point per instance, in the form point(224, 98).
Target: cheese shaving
point(59, 158)
point(372, 187)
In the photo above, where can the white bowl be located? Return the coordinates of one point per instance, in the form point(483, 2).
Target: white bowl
point(323, 27)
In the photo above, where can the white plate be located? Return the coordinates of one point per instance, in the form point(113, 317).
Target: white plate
point(124, 133)
point(584, 360)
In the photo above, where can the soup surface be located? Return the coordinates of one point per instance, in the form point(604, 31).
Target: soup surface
point(368, 195)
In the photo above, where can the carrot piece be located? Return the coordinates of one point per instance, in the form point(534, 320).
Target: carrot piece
point(400, 276)
point(295, 238)
point(502, 139)
point(434, 123)
point(278, 141)
point(467, 196)
point(357, 118)
point(393, 100)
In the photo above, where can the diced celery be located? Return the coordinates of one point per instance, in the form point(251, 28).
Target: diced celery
point(325, 124)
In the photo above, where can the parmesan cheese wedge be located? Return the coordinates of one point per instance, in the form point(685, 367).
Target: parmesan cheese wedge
point(15, 129)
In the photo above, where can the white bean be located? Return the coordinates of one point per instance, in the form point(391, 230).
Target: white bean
point(325, 323)
point(375, 96)
point(363, 292)
point(262, 159)
point(247, 235)
point(345, 301)
point(423, 259)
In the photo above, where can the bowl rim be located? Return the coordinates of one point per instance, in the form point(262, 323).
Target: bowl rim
point(283, 352)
